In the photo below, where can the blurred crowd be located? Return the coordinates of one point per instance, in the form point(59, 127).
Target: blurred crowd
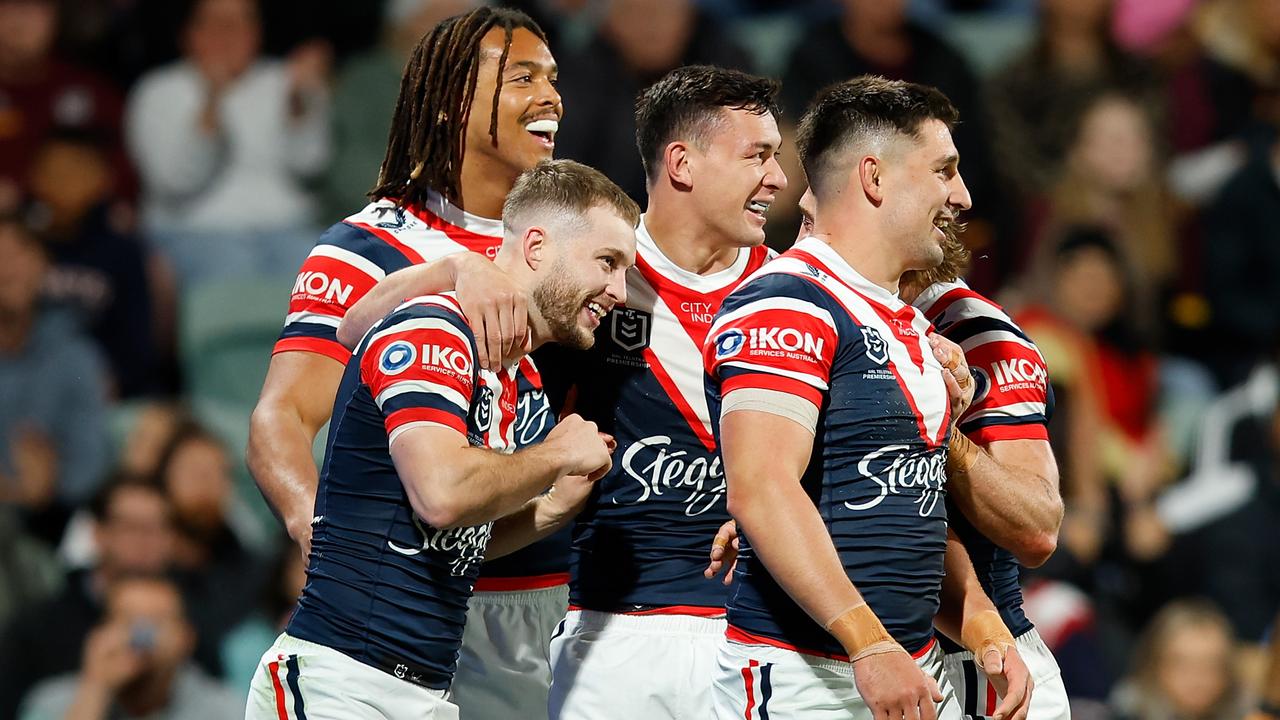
point(165, 167)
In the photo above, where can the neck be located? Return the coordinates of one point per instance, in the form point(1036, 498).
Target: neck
point(862, 244)
point(687, 242)
point(485, 184)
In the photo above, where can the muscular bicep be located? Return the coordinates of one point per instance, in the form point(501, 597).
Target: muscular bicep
point(759, 445)
point(304, 383)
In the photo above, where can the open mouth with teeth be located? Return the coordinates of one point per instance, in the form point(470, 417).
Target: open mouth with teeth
point(594, 312)
point(544, 130)
point(758, 209)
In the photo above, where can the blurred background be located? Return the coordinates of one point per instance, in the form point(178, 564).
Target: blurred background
point(165, 167)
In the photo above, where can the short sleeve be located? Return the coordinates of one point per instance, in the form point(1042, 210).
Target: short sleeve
point(332, 279)
point(1013, 382)
point(421, 370)
point(772, 334)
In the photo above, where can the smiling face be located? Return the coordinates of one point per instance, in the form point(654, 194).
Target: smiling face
point(529, 107)
point(586, 277)
point(737, 176)
point(924, 194)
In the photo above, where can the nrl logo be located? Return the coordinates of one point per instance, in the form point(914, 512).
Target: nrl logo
point(484, 409)
point(629, 328)
point(877, 348)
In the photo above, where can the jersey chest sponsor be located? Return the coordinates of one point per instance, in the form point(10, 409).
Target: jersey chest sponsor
point(899, 470)
point(465, 545)
point(654, 470)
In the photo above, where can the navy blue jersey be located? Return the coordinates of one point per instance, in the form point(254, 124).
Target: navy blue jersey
point(1012, 401)
point(642, 541)
point(810, 326)
point(383, 586)
point(354, 255)
point(544, 563)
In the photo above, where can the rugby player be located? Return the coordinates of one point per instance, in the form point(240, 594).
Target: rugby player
point(834, 414)
point(477, 106)
point(1003, 500)
point(421, 461)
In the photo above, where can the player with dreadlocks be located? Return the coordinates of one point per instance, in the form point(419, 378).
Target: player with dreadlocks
point(434, 216)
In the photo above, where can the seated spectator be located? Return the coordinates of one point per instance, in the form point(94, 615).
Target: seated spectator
point(52, 421)
point(1036, 99)
point(223, 140)
point(135, 664)
point(365, 95)
point(1183, 668)
point(220, 577)
point(98, 268)
point(638, 42)
point(133, 534)
point(38, 92)
point(1110, 180)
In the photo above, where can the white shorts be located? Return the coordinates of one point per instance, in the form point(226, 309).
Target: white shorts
point(633, 667)
point(297, 679)
point(504, 667)
point(763, 682)
point(978, 698)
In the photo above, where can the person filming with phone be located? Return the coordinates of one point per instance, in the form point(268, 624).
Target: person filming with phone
point(136, 664)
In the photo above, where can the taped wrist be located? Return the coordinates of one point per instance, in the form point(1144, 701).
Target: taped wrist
point(861, 633)
point(985, 632)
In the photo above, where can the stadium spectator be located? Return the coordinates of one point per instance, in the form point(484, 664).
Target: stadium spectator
point(133, 533)
point(638, 42)
point(223, 139)
point(98, 268)
point(52, 420)
point(39, 91)
point(1036, 98)
point(135, 664)
point(221, 579)
point(1184, 668)
point(1110, 180)
point(364, 96)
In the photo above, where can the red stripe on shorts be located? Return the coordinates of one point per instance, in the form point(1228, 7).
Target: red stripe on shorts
point(748, 678)
point(279, 690)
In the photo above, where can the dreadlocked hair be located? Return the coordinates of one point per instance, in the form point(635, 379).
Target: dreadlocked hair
point(428, 130)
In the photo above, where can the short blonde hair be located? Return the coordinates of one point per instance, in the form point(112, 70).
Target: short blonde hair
point(566, 190)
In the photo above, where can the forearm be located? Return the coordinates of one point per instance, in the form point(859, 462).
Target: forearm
point(425, 279)
point(1017, 507)
point(477, 485)
point(280, 459)
point(537, 519)
point(962, 596)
